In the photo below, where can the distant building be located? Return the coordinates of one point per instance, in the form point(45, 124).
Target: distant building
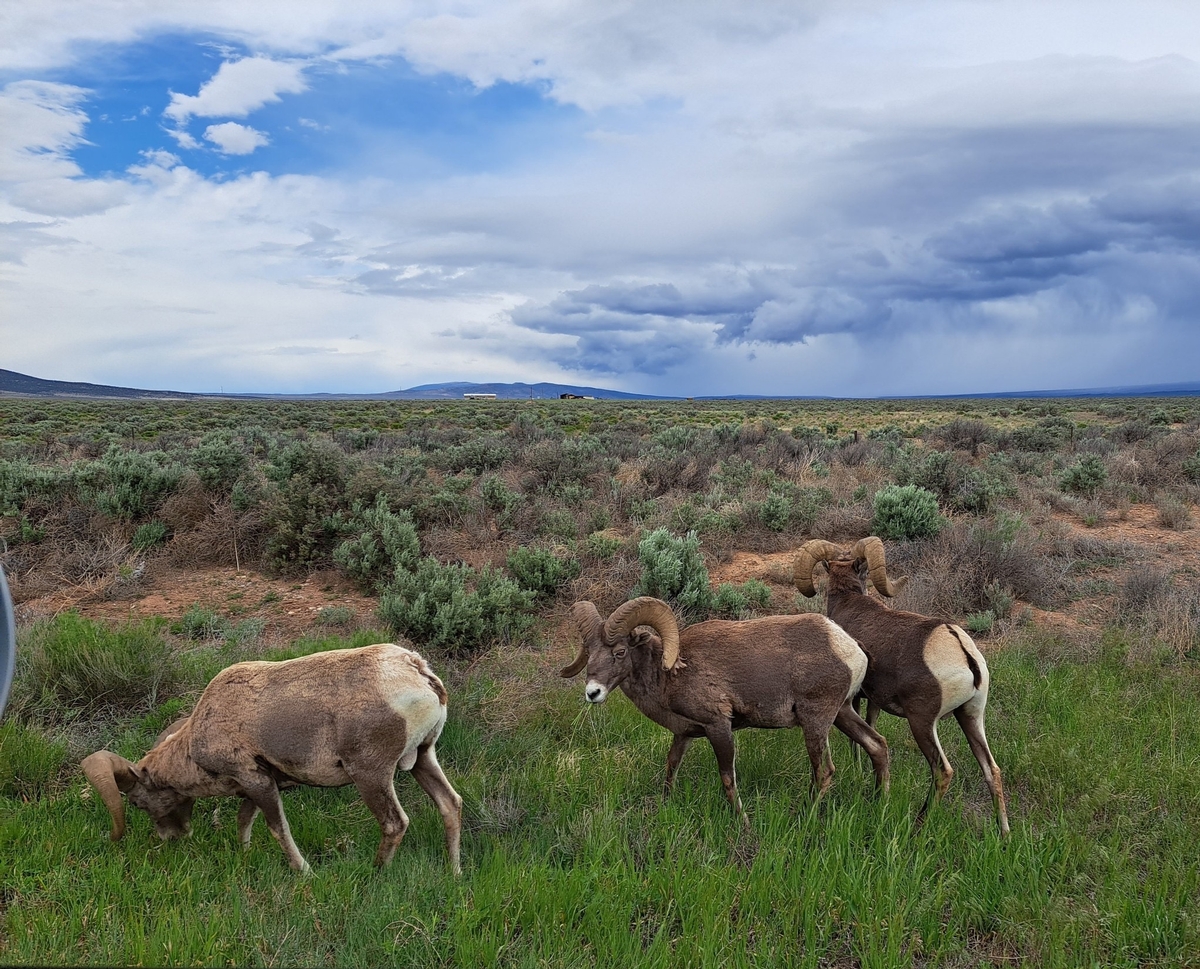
point(480, 396)
point(574, 397)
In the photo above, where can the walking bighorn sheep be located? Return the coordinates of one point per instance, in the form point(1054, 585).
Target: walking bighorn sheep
point(719, 676)
point(324, 720)
point(922, 668)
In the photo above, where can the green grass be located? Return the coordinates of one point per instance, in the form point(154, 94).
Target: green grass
point(571, 857)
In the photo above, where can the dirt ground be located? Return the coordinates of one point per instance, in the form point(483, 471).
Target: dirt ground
point(291, 608)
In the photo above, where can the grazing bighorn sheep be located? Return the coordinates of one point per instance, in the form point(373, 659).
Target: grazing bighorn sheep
point(719, 676)
point(922, 668)
point(324, 720)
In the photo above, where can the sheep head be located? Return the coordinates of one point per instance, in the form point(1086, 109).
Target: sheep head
point(849, 569)
point(113, 776)
point(605, 644)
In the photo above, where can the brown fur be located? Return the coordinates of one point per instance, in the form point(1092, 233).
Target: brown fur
point(324, 720)
point(901, 681)
point(779, 671)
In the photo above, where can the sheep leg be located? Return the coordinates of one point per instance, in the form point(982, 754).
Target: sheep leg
point(971, 721)
point(679, 747)
point(924, 732)
point(720, 735)
point(858, 730)
point(428, 773)
point(822, 764)
point(245, 821)
point(378, 793)
point(264, 794)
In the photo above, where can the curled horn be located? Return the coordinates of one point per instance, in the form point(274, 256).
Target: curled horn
point(809, 555)
point(646, 611)
point(587, 621)
point(871, 549)
point(110, 774)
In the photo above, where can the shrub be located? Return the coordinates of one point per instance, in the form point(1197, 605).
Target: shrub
point(775, 512)
point(311, 481)
point(603, 546)
point(127, 484)
point(497, 495)
point(219, 461)
point(72, 664)
point(387, 541)
point(1173, 513)
point(906, 512)
point(1085, 476)
point(1191, 468)
point(732, 602)
point(436, 606)
point(200, 623)
point(541, 571)
point(673, 570)
point(335, 616)
point(148, 535)
point(979, 623)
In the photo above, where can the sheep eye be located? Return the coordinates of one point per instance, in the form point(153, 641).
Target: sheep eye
point(619, 652)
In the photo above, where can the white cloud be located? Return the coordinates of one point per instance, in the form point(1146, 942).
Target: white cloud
point(238, 88)
point(41, 122)
point(235, 139)
point(861, 197)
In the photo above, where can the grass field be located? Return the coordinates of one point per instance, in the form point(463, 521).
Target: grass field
point(1060, 532)
point(572, 858)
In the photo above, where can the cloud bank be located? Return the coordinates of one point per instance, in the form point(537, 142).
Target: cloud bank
point(862, 198)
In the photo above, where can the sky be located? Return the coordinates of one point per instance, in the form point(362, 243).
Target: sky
point(678, 197)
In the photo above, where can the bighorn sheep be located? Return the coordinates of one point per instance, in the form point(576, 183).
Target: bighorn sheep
point(719, 676)
point(324, 720)
point(922, 668)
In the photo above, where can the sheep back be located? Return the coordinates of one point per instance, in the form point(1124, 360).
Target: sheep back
point(765, 672)
point(319, 719)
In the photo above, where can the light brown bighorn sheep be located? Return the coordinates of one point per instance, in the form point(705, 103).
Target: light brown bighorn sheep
point(922, 668)
point(719, 676)
point(324, 720)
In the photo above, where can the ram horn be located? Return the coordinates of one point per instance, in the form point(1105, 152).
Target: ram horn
point(809, 555)
point(587, 620)
point(871, 550)
point(646, 611)
point(110, 774)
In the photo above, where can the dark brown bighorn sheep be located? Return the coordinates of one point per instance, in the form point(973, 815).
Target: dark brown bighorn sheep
point(922, 668)
point(324, 720)
point(718, 676)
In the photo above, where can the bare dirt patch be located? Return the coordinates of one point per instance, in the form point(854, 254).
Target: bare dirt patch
point(290, 608)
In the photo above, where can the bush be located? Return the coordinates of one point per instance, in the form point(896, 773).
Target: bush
point(906, 512)
point(387, 541)
point(541, 571)
point(732, 602)
point(1173, 513)
point(603, 546)
point(148, 535)
point(219, 461)
point(127, 484)
point(1085, 476)
point(673, 570)
point(72, 664)
point(436, 606)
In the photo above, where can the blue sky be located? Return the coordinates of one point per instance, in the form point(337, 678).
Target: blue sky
point(855, 198)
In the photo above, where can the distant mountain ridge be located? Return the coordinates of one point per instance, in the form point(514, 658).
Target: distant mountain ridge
point(23, 385)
